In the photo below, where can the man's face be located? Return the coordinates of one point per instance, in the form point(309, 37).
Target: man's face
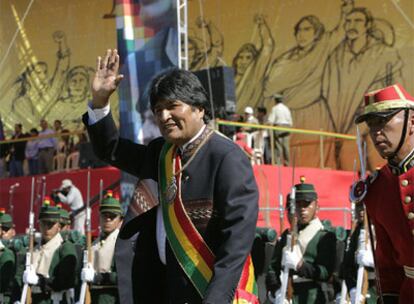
point(17, 128)
point(305, 34)
point(261, 115)
point(109, 222)
point(57, 124)
point(65, 227)
point(178, 122)
point(247, 116)
point(243, 61)
point(49, 229)
point(43, 124)
point(305, 211)
point(386, 133)
point(65, 190)
point(7, 233)
point(355, 25)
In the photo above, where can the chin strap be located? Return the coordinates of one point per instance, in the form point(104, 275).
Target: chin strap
point(403, 133)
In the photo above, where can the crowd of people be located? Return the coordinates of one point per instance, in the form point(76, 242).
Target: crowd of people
point(31, 155)
point(257, 142)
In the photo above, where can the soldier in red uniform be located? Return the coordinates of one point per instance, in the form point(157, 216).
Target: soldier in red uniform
point(389, 115)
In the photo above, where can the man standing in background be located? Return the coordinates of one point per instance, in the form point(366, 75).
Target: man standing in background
point(47, 148)
point(71, 195)
point(280, 116)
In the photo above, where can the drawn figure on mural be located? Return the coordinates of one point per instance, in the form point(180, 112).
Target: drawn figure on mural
point(250, 64)
point(36, 91)
point(205, 47)
point(76, 92)
point(364, 61)
point(157, 53)
point(296, 74)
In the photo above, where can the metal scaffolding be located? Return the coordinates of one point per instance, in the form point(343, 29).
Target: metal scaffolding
point(182, 28)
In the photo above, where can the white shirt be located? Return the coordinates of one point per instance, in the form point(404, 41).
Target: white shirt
point(97, 114)
point(73, 198)
point(280, 115)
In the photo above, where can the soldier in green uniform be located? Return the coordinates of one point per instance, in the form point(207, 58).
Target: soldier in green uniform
point(355, 256)
point(51, 273)
point(102, 273)
point(78, 239)
point(312, 260)
point(16, 245)
point(6, 221)
point(7, 260)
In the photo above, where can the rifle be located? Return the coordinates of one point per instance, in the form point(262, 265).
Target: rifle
point(344, 289)
point(85, 295)
point(287, 283)
point(362, 276)
point(26, 296)
point(281, 208)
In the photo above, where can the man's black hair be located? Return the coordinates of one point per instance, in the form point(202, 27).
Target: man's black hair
point(176, 84)
point(262, 110)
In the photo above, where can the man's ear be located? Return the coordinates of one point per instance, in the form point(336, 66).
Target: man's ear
point(411, 119)
point(202, 112)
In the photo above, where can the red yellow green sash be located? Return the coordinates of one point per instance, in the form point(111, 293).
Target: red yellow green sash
point(190, 250)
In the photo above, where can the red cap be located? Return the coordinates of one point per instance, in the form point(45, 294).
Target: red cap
point(385, 102)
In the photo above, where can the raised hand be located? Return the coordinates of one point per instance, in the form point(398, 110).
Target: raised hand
point(106, 78)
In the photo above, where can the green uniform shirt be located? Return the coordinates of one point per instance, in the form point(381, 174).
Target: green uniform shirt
point(318, 265)
point(7, 270)
point(62, 274)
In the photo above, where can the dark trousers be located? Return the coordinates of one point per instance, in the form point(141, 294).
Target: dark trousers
point(46, 160)
point(33, 166)
point(16, 168)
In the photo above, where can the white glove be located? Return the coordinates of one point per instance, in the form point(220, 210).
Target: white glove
point(277, 298)
point(290, 259)
point(365, 258)
point(30, 277)
point(352, 296)
point(88, 274)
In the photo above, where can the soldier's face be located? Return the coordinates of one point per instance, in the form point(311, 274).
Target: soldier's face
point(109, 222)
point(305, 211)
point(386, 133)
point(49, 229)
point(7, 233)
point(178, 122)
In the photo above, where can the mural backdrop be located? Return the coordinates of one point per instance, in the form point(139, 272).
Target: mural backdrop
point(321, 55)
point(47, 68)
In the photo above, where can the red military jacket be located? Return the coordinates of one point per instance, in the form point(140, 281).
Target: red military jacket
point(390, 206)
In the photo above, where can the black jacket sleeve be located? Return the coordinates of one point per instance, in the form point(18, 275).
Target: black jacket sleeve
point(136, 159)
point(236, 197)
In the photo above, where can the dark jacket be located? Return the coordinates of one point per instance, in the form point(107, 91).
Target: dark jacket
point(218, 184)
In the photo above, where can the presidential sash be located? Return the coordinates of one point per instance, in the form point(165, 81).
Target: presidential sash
point(190, 249)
